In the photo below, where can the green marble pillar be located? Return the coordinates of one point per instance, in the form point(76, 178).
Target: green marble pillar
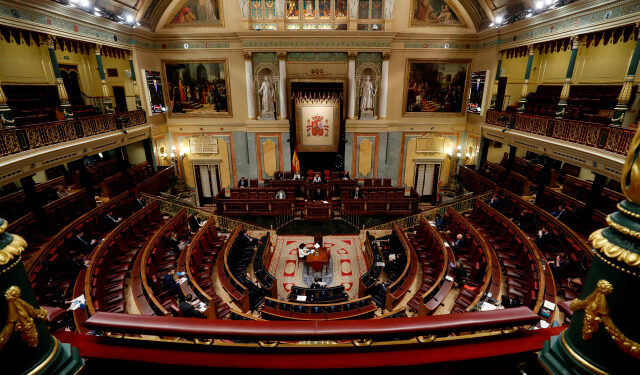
point(604, 334)
point(625, 94)
point(6, 116)
point(108, 105)
point(26, 346)
point(564, 95)
point(136, 93)
point(65, 106)
point(494, 94)
point(525, 85)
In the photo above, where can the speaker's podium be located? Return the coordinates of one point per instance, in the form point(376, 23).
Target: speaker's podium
point(317, 210)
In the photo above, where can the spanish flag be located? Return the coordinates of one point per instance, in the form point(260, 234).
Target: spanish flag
point(295, 162)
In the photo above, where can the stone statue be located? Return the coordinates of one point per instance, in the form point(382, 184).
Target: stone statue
point(388, 9)
point(353, 9)
point(267, 94)
point(244, 8)
point(367, 95)
point(279, 9)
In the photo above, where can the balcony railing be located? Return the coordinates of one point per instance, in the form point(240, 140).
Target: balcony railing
point(29, 137)
point(590, 134)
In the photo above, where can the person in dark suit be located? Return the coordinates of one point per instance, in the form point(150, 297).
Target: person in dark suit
point(439, 222)
point(524, 220)
point(278, 175)
point(112, 220)
point(138, 204)
point(494, 202)
point(243, 182)
point(345, 175)
point(318, 195)
point(357, 194)
point(460, 273)
point(169, 282)
point(85, 245)
point(187, 310)
point(543, 238)
point(459, 242)
point(559, 266)
point(195, 223)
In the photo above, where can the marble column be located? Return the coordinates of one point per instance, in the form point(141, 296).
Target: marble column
point(625, 94)
point(136, 92)
point(6, 116)
point(108, 105)
point(351, 108)
point(282, 65)
point(65, 106)
point(564, 95)
point(251, 99)
point(494, 95)
point(525, 85)
point(384, 87)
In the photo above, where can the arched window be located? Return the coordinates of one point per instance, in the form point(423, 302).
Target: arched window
point(263, 15)
point(370, 15)
point(316, 14)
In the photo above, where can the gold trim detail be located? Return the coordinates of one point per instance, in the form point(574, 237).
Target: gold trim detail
point(47, 360)
point(596, 312)
point(426, 339)
point(613, 251)
point(622, 229)
point(578, 358)
point(627, 212)
point(613, 265)
point(268, 344)
point(20, 316)
point(12, 250)
point(362, 342)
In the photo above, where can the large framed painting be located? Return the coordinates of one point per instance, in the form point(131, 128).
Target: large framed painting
point(434, 13)
point(317, 125)
point(197, 13)
point(198, 88)
point(435, 86)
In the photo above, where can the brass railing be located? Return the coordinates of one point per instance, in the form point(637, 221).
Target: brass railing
point(171, 207)
point(459, 205)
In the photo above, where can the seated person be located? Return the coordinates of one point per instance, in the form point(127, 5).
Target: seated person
point(278, 175)
point(524, 220)
point(171, 243)
point(85, 245)
point(62, 192)
point(543, 238)
point(139, 203)
point(76, 262)
point(559, 266)
point(460, 273)
point(169, 282)
point(321, 284)
point(280, 194)
point(112, 220)
point(297, 176)
point(357, 194)
point(187, 309)
point(243, 182)
point(439, 222)
point(345, 175)
point(317, 179)
point(195, 223)
point(494, 201)
point(318, 195)
point(459, 242)
point(303, 251)
point(561, 213)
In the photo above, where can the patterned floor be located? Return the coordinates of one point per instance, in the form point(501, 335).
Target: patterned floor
point(346, 263)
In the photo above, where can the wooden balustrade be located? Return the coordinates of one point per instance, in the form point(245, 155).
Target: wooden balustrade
point(600, 136)
point(360, 308)
point(29, 137)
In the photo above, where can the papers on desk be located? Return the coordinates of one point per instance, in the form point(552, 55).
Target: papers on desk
point(325, 202)
point(301, 298)
point(379, 264)
point(77, 302)
point(201, 306)
point(486, 306)
point(182, 280)
point(543, 324)
point(449, 278)
point(549, 305)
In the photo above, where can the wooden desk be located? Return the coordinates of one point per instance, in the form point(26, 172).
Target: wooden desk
point(319, 260)
point(317, 210)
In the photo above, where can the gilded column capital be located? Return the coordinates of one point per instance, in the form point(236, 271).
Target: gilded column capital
point(282, 55)
point(98, 48)
point(51, 42)
point(531, 49)
point(353, 55)
point(575, 41)
point(247, 55)
point(386, 56)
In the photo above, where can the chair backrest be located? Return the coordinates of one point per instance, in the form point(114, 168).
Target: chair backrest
point(287, 175)
point(310, 173)
point(253, 182)
point(386, 182)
